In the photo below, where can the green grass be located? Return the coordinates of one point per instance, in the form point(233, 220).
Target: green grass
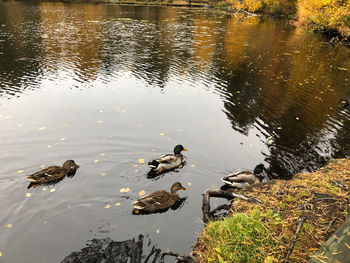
point(241, 238)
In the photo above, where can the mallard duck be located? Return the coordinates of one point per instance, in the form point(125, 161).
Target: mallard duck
point(159, 200)
point(53, 173)
point(245, 179)
point(168, 161)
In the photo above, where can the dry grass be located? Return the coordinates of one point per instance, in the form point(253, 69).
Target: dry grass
point(315, 196)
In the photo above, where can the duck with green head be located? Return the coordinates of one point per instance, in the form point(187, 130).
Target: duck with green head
point(245, 179)
point(168, 161)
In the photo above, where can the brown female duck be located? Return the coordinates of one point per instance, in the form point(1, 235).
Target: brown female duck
point(159, 200)
point(53, 173)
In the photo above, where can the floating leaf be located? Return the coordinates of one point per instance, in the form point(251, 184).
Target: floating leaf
point(297, 118)
point(189, 183)
point(157, 231)
point(287, 54)
point(142, 192)
point(0, 254)
point(117, 204)
point(101, 111)
point(102, 154)
point(44, 188)
point(238, 92)
point(28, 194)
point(297, 51)
point(65, 124)
point(270, 141)
point(161, 134)
point(96, 161)
point(42, 166)
point(125, 190)
point(52, 190)
point(342, 68)
point(63, 139)
point(42, 128)
point(99, 121)
point(49, 146)
point(103, 174)
point(135, 165)
point(141, 161)
point(107, 206)
point(279, 128)
point(20, 171)
point(9, 225)
point(193, 165)
point(137, 171)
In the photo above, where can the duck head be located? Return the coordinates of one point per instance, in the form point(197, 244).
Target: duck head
point(176, 187)
point(70, 167)
point(260, 170)
point(179, 148)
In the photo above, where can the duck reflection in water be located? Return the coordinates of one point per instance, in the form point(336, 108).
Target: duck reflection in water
point(52, 174)
point(159, 201)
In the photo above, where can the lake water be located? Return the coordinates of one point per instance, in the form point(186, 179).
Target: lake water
point(107, 85)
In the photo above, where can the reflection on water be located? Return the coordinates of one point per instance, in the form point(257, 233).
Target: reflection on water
point(106, 85)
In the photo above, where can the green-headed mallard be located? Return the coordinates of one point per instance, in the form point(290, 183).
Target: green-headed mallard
point(53, 173)
point(159, 200)
point(245, 179)
point(168, 161)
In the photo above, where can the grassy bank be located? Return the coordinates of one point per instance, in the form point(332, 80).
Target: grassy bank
point(263, 232)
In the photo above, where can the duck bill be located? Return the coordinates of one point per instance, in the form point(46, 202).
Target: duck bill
point(183, 188)
point(185, 150)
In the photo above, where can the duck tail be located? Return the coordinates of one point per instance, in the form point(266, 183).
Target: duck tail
point(154, 164)
point(137, 205)
point(226, 181)
point(31, 179)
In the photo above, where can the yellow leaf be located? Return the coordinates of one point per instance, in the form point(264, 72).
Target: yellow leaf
point(49, 146)
point(8, 117)
point(103, 174)
point(42, 166)
point(270, 141)
point(137, 171)
point(117, 204)
point(342, 68)
point(238, 92)
point(297, 118)
point(135, 165)
point(102, 154)
point(20, 171)
point(100, 121)
point(96, 161)
point(65, 124)
point(157, 231)
point(193, 165)
point(141, 161)
point(127, 190)
point(189, 183)
point(107, 206)
point(63, 139)
point(28, 194)
point(42, 128)
point(142, 192)
point(287, 54)
point(52, 190)
point(44, 188)
point(9, 225)
point(0, 254)
point(161, 134)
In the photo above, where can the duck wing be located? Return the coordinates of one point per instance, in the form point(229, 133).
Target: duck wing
point(157, 200)
point(167, 158)
point(241, 177)
point(49, 174)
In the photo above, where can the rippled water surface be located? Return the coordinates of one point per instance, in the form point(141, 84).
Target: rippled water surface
point(106, 85)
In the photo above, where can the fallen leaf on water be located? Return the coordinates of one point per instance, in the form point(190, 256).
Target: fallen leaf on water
point(42, 128)
point(125, 190)
point(297, 118)
point(141, 161)
point(28, 194)
point(270, 141)
point(297, 51)
point(9, 225)
point(96, 161)
point(42, 166)
point(20, 171)
point(135, 165)
point(49, 146)
point(287, 54)
point(238, 92)
point(342, 68)
point(63, 139)
point(193, 165)
point(52, 190)
point(189, 183)
point(137, 171)
point(142, 192)
point(0, 254)
point(65, 124)
point(107, 206)
point(102, 154)
point(93, 21)
point(161, 134)
point(103, 174)
point(279, 128)
point(157, 231)
point(117, 204)
point(44, 188)
point(100, 121)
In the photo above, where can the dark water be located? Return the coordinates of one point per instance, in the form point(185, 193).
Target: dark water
point(119, 83)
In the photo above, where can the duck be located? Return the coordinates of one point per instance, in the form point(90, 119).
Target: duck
point(159, 200)
point(53, 173)
point(245, 179)
point(168, 161)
